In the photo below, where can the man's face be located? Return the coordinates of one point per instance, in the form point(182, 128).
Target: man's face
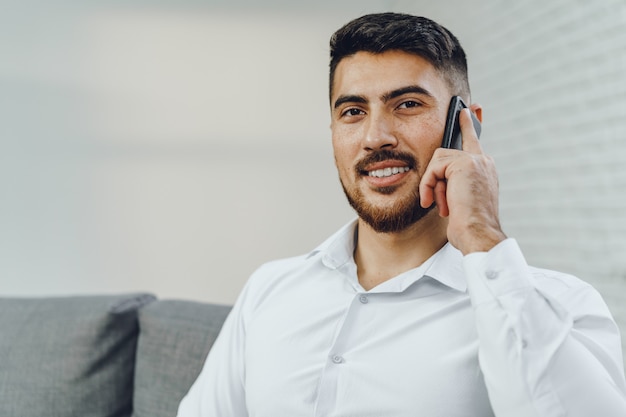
point(388, 114)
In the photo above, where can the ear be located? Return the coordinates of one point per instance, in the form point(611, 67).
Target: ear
point(477, 109)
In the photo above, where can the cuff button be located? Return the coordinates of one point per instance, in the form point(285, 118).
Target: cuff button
point(491, 274)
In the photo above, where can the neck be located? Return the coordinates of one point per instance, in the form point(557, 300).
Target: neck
point(382, 256)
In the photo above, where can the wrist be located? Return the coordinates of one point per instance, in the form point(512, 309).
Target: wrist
point(483, 241)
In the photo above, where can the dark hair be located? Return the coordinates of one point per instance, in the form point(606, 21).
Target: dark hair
point(378, 33)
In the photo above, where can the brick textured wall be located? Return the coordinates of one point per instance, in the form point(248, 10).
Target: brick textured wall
point(551, 76)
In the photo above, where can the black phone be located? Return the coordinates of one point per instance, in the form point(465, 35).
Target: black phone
point(452, 138)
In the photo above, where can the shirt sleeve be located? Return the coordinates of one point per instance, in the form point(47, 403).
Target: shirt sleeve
point(219, 389)
point(548, 345)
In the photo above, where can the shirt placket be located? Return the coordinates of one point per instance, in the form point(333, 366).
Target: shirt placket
point(338, 358)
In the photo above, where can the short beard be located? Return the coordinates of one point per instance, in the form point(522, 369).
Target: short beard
point(403, 214)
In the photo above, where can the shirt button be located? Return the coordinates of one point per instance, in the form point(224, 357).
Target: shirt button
point(363, 299)
point(337, 359)
point(491, 274)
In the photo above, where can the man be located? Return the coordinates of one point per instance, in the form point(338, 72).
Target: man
point(422, 306)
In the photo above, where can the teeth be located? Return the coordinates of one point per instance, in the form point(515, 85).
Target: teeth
point(387, 172)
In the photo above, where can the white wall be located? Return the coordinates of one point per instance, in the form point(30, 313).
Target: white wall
point(173, 149)
point(170, 148)
point(551, 76)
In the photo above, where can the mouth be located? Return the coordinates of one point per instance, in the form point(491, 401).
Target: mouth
point(385, 168)
point(386, 176)
point(387, 172)
point(385, 163)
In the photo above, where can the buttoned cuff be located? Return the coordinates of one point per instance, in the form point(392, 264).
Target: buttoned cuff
point(496, 273)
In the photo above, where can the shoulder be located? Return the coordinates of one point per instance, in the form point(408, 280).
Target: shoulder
point(557, 282)
point(576, 294)
point(278, 267)
point(336, 249)
point(271, 273)
point(272, 278)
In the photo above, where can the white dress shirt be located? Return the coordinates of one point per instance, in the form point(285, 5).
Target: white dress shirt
point(474, 336)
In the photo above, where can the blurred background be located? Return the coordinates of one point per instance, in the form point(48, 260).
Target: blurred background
point(173, 146)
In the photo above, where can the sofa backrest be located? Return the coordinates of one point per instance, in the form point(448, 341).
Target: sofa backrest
point(68, 356)
point(174, 340)
point(101, 356)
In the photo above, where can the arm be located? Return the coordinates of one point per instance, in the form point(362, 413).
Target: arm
point(547, 345)
point(219, 389)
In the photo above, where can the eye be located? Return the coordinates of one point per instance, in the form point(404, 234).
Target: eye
point(409, 104)
point(352, 112)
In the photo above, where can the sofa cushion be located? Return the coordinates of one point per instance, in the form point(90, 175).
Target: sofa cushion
point(68, 356)
point(175, 338)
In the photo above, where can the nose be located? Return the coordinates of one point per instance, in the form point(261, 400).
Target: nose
point(379, 133)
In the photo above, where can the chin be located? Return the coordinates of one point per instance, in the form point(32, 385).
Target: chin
point(393, 217)
point(393, 222)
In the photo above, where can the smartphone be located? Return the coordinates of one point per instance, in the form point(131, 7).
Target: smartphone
point(452, 138)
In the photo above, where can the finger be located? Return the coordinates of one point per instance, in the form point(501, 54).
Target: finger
point(434, 174)
point(427, 195)
point(440, 198)
point(468, 133)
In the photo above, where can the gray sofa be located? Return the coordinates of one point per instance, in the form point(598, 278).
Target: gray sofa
point(101, 356)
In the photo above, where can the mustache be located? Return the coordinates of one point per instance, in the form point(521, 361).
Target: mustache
point(385, 155)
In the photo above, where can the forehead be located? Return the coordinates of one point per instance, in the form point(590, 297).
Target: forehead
point(368, 74)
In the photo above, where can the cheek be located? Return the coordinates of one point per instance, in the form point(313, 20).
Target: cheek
point(424, 129)
point(344, 150)
point(424, 139)
point(424, 156)
point(343, 162)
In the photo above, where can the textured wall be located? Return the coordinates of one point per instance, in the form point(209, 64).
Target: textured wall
point(132, 161)
point(551, 76)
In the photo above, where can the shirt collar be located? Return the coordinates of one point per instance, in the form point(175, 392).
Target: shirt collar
point(338, 249)
point(445, 266)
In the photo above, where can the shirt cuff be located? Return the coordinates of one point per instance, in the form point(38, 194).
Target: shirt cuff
point(496, 273)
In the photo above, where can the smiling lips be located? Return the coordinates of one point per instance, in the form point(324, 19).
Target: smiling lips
point(385, 167)
point(387, 172)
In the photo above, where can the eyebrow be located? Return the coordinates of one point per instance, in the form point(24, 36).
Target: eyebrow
point(415, 89)
point(349, 99)
point(353, 98)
